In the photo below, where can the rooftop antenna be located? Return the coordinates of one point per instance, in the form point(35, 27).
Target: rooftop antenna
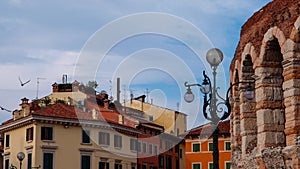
point(124, 94)
point(147, 95)
point(124, 88)
point(37, 85)
point(110, 89)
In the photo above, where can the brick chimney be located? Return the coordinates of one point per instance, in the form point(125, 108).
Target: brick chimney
point(95, 114)
point(76, 86)
point(24, 109)
point(55, 87)
point(121, 119)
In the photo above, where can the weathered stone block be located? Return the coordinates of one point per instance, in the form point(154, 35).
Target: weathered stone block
point(291, 92)
point(266, 139)
point(248, 143)
point(264, 116)
point(248, 124)
point(290, 84)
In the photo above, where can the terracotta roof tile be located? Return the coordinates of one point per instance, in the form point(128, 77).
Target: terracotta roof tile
point(207, 128)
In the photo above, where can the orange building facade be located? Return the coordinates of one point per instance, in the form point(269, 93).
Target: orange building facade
point(199, 147)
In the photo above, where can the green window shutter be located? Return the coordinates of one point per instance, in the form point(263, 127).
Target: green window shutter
point(85, 162)
point(48, 161)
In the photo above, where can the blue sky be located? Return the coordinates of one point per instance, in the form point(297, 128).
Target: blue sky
point(46, 39)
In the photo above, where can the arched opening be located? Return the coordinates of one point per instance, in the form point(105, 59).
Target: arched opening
point(269, 96)
point(247, 108)
point(235, 115)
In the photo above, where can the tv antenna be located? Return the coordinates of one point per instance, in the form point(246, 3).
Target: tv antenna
point(37, 85)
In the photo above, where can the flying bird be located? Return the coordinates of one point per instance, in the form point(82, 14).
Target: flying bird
point(22, 84)
point(2, 108)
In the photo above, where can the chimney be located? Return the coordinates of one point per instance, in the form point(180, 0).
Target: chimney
point(121, 119)
point(64, 79)
point(35, 105)
point(55, 87)
point(75, 86)
point(95, 114)
point(106, 103)
point(24, 109)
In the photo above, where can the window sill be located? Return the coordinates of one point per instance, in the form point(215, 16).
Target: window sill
point(118, 148)
point(87, 144)
point(29, 141)
point(48, 141)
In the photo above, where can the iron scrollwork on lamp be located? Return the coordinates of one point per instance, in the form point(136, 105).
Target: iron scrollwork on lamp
point(214, 105)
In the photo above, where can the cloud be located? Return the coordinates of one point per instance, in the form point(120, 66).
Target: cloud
point(43, 38)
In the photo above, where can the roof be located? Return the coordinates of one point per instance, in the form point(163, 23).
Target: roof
point(64, 111)
point(145, 103)
point(207, 129)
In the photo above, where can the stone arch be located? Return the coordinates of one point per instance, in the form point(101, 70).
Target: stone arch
point(269, 91)
point(247, 107)
point(291, 85)
point(235, 115)
point(295, 34)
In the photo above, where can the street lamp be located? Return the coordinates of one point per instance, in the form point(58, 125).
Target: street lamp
point(20, 157)
point(214, 103)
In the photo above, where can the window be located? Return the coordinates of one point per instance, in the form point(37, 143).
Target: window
point(196, 166)
point(160, 144)
point(161, 161)
point(133, 144)
point(103, 165)
point(150, 118)
point(48, 161)
point(150, 148)
point(133, 165)
point(180, 153)
point(118, 165)
point(227, 146)
point(7, 138)
point(144, 147)
point(118, 141)
point(47, 133)
point(210, 165)
point(177, 163)
point(86, 136)
point(139, 147)
point(104, 138)
point(196, 147)
point(155, 150)
point(29, 134)
point(85, 162)
point(29, 161)
point(210, 146)
point(169, 161)
point(7, 164)
point(227, 165)
point(177, 148)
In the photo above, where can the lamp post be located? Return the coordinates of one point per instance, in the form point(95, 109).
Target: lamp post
point(20, 157)
point(214, 104)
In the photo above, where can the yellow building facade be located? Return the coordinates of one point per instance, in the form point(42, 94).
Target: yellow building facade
point(52, 138)
point(173, 121)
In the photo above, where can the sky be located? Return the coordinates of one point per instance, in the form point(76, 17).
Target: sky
point(154, 46)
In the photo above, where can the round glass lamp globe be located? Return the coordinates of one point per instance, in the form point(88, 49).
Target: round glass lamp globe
point(214, 56)
point(20, 156)
point(249, 94)
point(189, 97)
